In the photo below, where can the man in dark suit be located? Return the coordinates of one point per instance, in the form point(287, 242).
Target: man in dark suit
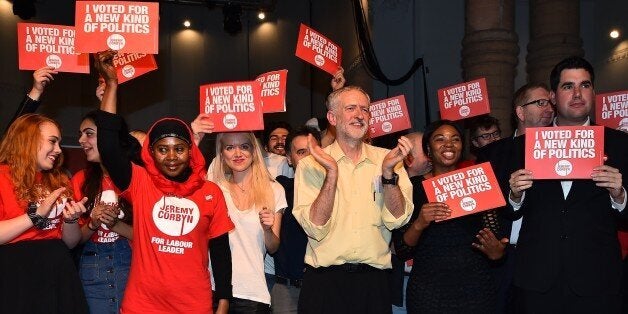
point(532, 108)
point(568, 256)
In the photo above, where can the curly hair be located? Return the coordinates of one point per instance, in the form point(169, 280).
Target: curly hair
point(19, 149)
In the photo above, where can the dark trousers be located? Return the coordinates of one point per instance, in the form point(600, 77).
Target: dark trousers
point(504, 273)
point(242, 306)
point(348, 288)
point(561, 299)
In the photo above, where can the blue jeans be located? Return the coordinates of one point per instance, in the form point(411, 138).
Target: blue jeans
point(104, 269)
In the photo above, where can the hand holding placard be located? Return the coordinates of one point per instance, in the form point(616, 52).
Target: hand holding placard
point(41, 78)
point(433, 211)
point(103, 62)
point(610, 178)
point(519, 181)
point(200, 126)
point(338, 81)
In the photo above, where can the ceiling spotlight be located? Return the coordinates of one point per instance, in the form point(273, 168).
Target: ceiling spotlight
point(261, 15)
point(232, 23)
point(614, 34)
point(187, 23)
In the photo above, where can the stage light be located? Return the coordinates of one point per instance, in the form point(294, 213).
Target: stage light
point(187, 24)
point(614, 34)
point(261, 15)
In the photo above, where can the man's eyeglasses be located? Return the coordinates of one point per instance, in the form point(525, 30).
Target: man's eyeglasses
point(541, 103)
point(488, 136)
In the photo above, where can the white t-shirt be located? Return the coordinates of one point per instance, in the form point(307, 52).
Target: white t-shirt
point(248, 248)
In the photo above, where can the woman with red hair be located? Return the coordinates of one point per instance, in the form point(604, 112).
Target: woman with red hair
point(38, 222)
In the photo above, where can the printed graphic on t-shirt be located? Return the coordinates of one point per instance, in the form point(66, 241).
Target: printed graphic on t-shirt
point(175, 217)
point(55, 213)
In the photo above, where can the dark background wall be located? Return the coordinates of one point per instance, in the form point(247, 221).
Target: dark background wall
point(402, 31)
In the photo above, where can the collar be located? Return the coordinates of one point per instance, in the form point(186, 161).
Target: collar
point(586, 123)
point(366, 152)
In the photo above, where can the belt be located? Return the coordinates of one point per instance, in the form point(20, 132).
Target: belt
point(347, 267)
point(289, 282)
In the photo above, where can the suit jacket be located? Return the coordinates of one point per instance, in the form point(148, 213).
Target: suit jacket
point(505, 158)
point(572, 241)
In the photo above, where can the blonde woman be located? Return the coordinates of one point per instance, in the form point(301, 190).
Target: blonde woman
point(255, 202)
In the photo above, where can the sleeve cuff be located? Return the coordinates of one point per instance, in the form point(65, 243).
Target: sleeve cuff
point(620, 206)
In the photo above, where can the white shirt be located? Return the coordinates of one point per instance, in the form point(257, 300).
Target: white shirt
point(248, 248)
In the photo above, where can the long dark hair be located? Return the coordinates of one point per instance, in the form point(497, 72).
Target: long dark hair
point(92, 186)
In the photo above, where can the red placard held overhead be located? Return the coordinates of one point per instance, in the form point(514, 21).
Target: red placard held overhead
point(273, 90)
point(611, 110)
point(318, 50)
point(130, 27)
point(233, 106)
point(569, 152)
point(42, 45)
point(467, 191)
point(131, 65)
point(464, 100)
point(388, 116)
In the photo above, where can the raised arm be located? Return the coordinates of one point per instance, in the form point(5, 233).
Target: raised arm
point(112, 131)
point(393, 198)
point(103, 62)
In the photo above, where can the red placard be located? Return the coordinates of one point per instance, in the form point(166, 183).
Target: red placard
point(611, 110)
point(569, 152)
point(388, 116)
point(273, 90)
point(467, 191)
point(119, 25)
point(318, 50)
point(131, 65)
point(233, 106)
point(465, 100)
point(42, 45)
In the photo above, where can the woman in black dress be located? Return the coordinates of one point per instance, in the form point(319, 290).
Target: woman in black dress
point(450, 273)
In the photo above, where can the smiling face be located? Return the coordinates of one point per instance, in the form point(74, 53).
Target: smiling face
point(49, 149)
point(350, 115)
point(237, 151)
point(277, 141)
point(445, 147)
point(88, 140)
point(574, 97)
point(171, 155)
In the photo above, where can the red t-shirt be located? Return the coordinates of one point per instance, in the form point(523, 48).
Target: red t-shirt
point(11, 207)
point(169, 265)
point(108, 195)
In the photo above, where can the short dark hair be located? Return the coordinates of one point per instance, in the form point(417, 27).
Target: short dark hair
point(272, 127)
point(482, 122)
point(302, 131)
point(570, 63)
point(432, 127)
point(520, 95)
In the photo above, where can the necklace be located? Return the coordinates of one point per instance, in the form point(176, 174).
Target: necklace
point(241, 188)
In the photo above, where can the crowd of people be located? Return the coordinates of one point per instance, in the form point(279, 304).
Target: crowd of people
point(296, 222)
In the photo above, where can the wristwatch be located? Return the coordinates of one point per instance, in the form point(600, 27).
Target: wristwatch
point(392, 181)
point(38, 221)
